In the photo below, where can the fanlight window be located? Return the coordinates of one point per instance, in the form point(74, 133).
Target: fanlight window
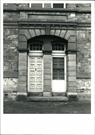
point(35, 46)
point(57, 45)
point(40, 42)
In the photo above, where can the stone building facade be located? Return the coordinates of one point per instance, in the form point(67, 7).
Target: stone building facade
point(47, 50)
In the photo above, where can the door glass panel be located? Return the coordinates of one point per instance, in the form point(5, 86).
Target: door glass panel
point(58, 68)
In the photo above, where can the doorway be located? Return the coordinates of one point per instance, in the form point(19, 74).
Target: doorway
point(35, 73)
point(59, 73)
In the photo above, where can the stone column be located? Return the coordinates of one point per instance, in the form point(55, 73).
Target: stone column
point(22, 76)
point(71, 65)
point(71, 73)
point(47, 74)
point(47, 62)
point(22, 66)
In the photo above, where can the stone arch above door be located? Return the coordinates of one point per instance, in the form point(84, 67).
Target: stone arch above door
point(26, 34)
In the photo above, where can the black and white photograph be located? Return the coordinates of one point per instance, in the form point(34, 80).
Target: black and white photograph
point(47, 56)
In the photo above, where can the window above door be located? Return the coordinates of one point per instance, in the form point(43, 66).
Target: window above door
point(57, 47)
point(47, 43)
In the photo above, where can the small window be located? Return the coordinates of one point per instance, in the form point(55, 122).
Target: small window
point(58, 5)
point(35, 47)
point(58, 68)
point(36, 5)
point(59, 47)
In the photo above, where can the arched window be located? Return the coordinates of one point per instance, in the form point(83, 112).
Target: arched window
point(35, 45)
point(38, 43)
point(57, 46)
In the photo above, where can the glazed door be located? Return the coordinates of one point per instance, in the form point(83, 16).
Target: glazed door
point(35, 74)
point(59, 75)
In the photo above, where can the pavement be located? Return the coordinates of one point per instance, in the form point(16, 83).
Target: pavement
point(47, 107)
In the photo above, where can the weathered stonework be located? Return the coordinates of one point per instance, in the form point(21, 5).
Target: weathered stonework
point(83, 86)
point(47, 74)
point(83, 54)
point(71, 68)
point(10, 84)
point(22, 23)
point(22, 85)
point(10, 53)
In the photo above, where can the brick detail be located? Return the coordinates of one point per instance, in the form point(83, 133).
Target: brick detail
point(22, 78)
point(47, 72)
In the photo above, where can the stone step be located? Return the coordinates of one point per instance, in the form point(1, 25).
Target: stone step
point(41, 98)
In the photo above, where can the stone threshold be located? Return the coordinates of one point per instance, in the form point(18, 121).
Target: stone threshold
point(43, 98)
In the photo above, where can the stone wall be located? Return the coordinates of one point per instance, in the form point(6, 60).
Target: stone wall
point(82, 40)
point(10, 84)
point(83, 85)
point(12, 16)
point(10, 53)
point(84, 89)
point(71, 74)
point(83, 54)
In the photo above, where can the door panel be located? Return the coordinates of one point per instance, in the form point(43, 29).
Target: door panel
point(35, 74)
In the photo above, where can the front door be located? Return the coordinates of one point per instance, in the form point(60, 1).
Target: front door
point(35, 74)
point(59, 75)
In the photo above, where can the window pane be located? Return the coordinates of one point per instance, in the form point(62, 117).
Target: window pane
point(57, 47)
point(58, 68)
point(58, 5)
point(35, 47)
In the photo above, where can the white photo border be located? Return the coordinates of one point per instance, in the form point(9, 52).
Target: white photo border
point(66, 124)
